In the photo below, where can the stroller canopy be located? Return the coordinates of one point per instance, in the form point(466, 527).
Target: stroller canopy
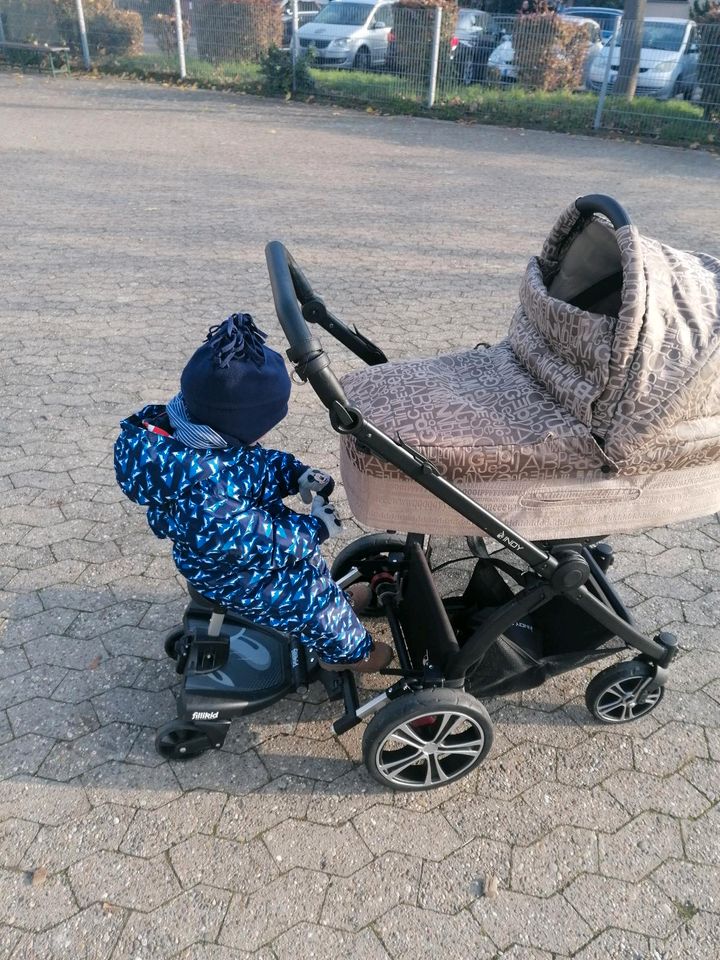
point(602, 401)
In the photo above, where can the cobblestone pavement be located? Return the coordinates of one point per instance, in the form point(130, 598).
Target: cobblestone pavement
point(134, 217)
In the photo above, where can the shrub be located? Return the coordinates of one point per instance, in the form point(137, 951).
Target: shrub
point(109, 31)
point(236, 29)
point(277, 71)
point(549, 52)
point(707, 15)
point(163, 29)
point(413, 27)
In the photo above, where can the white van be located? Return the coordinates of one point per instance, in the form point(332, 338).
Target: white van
point(349, 33)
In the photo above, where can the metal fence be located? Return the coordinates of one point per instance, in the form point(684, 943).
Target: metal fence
point(554, 71)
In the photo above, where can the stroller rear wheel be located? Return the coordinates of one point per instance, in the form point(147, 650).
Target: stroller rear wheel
point(171, 642)
point(371, 554)
point(427, 739)
point(620, 693)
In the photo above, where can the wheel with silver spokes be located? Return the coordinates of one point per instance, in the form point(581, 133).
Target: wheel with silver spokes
point(621, 693)
point(427, 739)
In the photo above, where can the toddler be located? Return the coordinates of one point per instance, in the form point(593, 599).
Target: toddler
point(218, 495)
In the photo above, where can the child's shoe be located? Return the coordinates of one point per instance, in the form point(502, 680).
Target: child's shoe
point(378, 658)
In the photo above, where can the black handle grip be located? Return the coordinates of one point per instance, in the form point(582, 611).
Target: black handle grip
point(286, 305)
point(303, 290)
point(599, 203)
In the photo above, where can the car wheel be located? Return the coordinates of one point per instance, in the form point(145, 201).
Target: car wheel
point(362, 59)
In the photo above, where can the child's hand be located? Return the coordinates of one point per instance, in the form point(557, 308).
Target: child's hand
point(311, 481)
point(325, 513)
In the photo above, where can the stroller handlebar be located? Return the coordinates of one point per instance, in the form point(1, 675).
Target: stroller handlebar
point(306, 353)
point(599, 203)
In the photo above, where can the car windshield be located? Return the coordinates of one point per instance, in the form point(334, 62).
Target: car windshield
point(350, 14)
point(660, 36)
point(606, 20)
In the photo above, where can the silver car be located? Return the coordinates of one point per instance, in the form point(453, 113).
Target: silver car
point(349, 33)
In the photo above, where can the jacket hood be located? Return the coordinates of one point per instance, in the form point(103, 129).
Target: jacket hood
point(152, 469)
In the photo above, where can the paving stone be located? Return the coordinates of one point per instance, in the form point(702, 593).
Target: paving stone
point(246, 817)
point(30, 795)
point(596, 758)
point(555, 804)
point(38, 681)
point(408, 932)
point(310, 941)
point(18, 606)
point(23, 755)
point(15, 837)
point(221, 770)
point(240, 867)
point(9, 938)
point(130, 882)
point(52, 719)
point(637, 907)
point(548, 865)
point(38, 626)
point(495, 819)
point(75, 598)
point(693, 886)
point(526, 953)
point(94, 623)
point(426, 835)
point(352, 903)
point(97, 678)
point(134, 642)
point(520, 725)
point(131, 785)
point(211, 951)
point(165, 932)
point(702, 837)
point(456, 881)
point(641, 792)
point(34, 907)
point(64, 652)
point(697, 938)
point(89, 935)
point(68, 760)
point(159, 675)
point(353, 793)
point(511, 773)
point(640, 846)
point(300, 757)
point(666, 751)
point(335, 850)
point(56, 848)
point(153, 831)
point(705, 775)
point(702, 612)
point(141, 707)
point(548, 923)
point(254, 921)
point(618, 945)
point(64, 571)
point(677, 588)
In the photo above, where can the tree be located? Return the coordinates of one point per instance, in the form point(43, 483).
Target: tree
point(632, 31)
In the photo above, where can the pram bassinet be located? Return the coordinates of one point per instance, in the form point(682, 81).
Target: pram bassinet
point(599, 413)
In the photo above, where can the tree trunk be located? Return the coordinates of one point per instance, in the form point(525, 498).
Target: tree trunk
point(632, 31)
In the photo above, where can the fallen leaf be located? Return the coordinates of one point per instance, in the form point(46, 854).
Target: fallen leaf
point(95, 662)
point(491, 886)
point(107, 907)
point(39, 877)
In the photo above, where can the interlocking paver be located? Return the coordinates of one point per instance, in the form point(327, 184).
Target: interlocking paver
point(254, 921)
point(98, 318)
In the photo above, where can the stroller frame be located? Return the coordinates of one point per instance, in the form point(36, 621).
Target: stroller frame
point(429, 686)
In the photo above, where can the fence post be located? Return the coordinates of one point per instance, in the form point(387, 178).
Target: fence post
point(294, 43)
point(606, 76)
point(2, 29)
point(180, 39)
point(435, 57)
point(83, 33)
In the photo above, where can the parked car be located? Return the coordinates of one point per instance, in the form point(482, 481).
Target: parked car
point(349, 33)
point(307, 11)
point(501, 63)
point(476, 36)
point(605, 17)
point(668, 59)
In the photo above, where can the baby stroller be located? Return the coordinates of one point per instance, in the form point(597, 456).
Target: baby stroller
point(593, 416)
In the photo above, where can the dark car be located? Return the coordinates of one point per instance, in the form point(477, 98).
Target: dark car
point(476, 36)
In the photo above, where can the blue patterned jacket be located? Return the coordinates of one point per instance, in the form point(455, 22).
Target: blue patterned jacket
point(233, 537)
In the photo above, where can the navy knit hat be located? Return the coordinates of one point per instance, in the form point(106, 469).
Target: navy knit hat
point(234, 383)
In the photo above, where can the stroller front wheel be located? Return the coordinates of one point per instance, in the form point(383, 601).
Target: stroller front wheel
point(620, 694)
point(427, 739)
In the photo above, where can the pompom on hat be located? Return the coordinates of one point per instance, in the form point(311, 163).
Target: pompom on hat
point(234, 383)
